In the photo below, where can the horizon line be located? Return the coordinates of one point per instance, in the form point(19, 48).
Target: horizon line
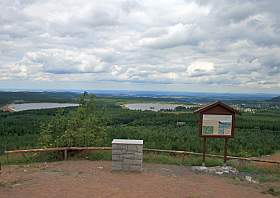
point(127, 90)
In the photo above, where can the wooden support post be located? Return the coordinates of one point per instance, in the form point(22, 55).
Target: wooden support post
point(65, 154)
point(204, 151)
point(7, 158)
point(240, 163)
point(225, 151)
point(183, 158)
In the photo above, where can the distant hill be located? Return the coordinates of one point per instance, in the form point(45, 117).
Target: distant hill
point(22, 96)
point(275, 99)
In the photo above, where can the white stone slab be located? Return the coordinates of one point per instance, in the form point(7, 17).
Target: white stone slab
point(125, 141)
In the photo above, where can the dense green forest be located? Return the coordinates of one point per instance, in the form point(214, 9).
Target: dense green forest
point(256, 134)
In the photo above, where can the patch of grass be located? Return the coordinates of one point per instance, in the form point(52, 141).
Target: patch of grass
point(178, 160)
point(93, 155)
point(15, 159)
point(52, 156)
point(197, 161)
point(161, 159)
point(272, 191)
point(254, 169)
point(9, 184)
point(262, 174)
point(48, 157)
point(100, 155)
point(30, 158)
point(268, 178)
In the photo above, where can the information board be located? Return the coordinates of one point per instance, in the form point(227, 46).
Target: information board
point(216, 125)
point(216, 120)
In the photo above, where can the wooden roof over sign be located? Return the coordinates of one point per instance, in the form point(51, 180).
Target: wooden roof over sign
point(215, 104)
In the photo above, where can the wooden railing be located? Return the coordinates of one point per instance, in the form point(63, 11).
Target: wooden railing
point(213, 155)
point(182, 153)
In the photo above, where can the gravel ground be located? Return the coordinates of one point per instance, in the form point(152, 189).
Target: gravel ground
point(75, 179)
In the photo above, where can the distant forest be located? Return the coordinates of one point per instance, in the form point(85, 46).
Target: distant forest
point(8, 97)
point(275, 99)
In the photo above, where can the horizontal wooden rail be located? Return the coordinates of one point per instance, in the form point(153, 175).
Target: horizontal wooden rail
point(36, 150)
point(58, 149)
point(213, 156)
point(90, 148)
point(66, 149)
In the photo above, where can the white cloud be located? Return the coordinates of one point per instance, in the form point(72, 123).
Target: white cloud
point(178, 42)
point(200, 68)
point(59, 61)
point(173, 36)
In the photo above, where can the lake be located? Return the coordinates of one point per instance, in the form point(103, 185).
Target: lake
point(32, 106)
point(154, 106)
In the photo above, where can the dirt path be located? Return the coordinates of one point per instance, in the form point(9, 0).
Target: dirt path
point(75, 179)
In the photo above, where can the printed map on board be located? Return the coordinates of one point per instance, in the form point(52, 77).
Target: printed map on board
point(216, 124)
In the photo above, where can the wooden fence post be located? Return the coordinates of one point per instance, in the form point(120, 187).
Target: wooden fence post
point(225, 151)
point(7, 158)
point(65, 154)
point(183, 158)
point(204, 151)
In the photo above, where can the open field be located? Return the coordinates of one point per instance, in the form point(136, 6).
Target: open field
point(95, 179)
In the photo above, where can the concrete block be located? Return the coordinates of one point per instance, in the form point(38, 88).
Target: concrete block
point(116, 146)
point(125, 167)
point(136, 168)
point(139, 148)
point(117, 163)
point(124, 151)
point(135, 156)
point(116, 168)
point(117, 157)
point(132, 148)
point(132, 162)
point(116, 152)
point(124, 146)
point(127, 155)
point(138, 156)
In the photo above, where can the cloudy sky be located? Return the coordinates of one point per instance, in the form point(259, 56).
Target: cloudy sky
point(172, 45)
